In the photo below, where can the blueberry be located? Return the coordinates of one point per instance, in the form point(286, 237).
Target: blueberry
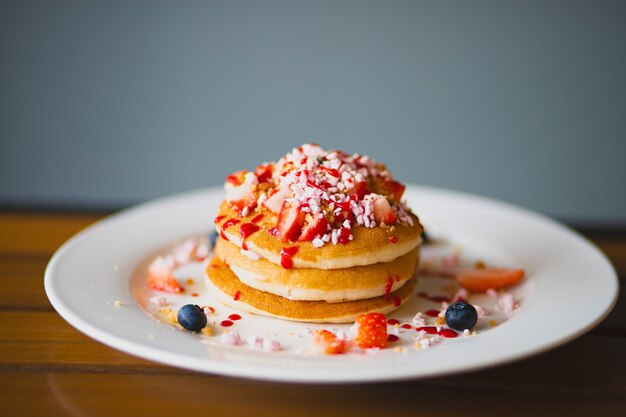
point(461, 316)
point(212, 238)
point(191, 317)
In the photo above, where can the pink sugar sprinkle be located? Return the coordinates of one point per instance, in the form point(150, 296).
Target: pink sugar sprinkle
point(481, 311)
point(159, 301)
point(460, 295)
point(450, 261)
point(231, 339)
point(270, 345)
point(506, 303)
point(418, 320)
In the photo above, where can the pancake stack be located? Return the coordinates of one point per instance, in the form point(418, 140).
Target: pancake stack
point(319, 236)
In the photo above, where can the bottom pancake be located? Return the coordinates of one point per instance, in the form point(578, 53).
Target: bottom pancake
point(234, 293)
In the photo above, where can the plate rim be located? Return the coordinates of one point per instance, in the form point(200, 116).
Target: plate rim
point(154, 354)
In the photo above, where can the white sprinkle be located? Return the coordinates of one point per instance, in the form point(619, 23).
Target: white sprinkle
point(159, 301)
point(251, 254)
point(318, 243)
point(231, 339)
point(270, 345)
point(418, 320)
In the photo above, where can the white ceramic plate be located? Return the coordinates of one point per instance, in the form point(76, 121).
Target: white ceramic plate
point(570, 288)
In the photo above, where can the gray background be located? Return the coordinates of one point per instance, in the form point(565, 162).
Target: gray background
point(110, 103)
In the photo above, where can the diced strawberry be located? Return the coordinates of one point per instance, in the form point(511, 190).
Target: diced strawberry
point(241, 196)
point(317, 226)
point(264, 172)
point(480, 280)
point(290, 222)
point(275, 202)
point(395, 189)
point(359, 190)
point(390, 188)
point(236, 178)
point(371, 331)
point(160, 277)
point(329, 342)
point(383, 212)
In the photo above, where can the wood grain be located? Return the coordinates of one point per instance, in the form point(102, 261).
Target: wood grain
point(47, 367)
point(39, 234)
point(178, 395)
point(22, 282)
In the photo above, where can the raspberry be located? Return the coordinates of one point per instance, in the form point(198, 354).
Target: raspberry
point(371, 331)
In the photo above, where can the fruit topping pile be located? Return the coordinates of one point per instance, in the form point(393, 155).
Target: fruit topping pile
point(318, 195)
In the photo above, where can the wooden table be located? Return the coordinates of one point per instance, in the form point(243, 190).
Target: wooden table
point(47, 368)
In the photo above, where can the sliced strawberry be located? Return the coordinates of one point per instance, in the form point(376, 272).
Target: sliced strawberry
point(264, 172)
point(160, 277)
point(390, 188)
point(371, 331)
point(236, 178)
point(329, 342)
point(480, 280)
point(395, 189)
point(290, 222)
point(317, 226)
point(275, 202)
point(241, 196)
point(359, 190)
point(383, 212)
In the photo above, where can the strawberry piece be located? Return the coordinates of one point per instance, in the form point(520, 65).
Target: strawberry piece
point(383, 212)
point(317, 226)
point(241, 196)
point(371, 331)
point(275, 202)
point(160, 277)
point(394, 189)
point(359, 190)
point(290, 222)
point(480, 280)
point(390, 188)
point(330, 344)
point(264, 173)
point(236, 178)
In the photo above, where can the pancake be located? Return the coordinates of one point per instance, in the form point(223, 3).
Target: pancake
point(225, 285)
point(335, 285)
point(369, 246)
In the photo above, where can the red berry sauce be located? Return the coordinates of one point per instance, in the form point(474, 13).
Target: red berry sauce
point(396, 300)
point(427, 329)
point(246, 230)
point(388, 287)
point(449, 333)
point(285, 256)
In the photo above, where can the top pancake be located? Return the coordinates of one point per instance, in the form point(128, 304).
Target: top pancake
point(369, 246)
